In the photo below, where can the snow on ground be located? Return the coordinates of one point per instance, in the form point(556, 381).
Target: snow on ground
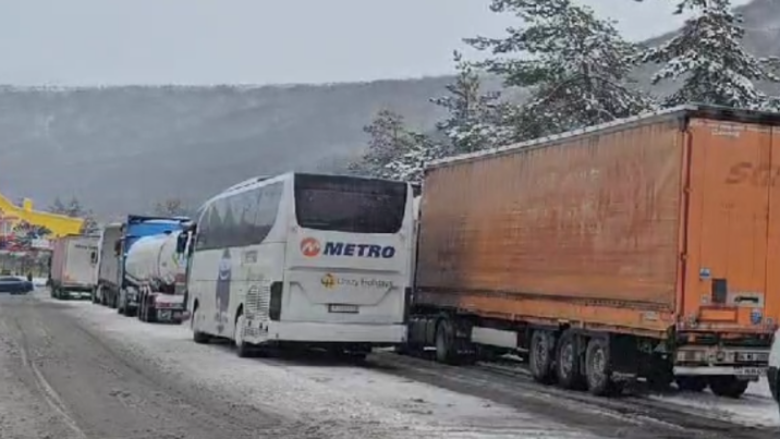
point(341, 397)
point(755, 408)
point(23, 415)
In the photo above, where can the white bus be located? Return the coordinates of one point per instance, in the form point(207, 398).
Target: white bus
point(313, 260)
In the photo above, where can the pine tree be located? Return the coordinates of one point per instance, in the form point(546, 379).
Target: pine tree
point(474, 122)
point(418, 151)
point(75, 209)
point(57, 206)
point(576, 65)
point(90, 225)
point(170, 207)
point(709, 56)
point(387, 141)
point(395, 152)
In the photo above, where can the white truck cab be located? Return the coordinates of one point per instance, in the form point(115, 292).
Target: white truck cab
point(774, 368)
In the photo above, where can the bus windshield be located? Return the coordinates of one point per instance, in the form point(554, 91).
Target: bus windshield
point(349, 204)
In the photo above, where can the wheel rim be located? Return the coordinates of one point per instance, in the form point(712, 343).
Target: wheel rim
point(567, 360)
point(441, 342)
point(540, 353)
point(597, 373)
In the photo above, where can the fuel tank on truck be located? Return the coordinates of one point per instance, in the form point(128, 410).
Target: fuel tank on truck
point(153, 259)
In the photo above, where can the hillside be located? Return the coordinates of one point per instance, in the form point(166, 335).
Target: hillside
point(122, 149)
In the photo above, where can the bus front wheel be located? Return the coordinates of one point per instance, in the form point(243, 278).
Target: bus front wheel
point(197, 336)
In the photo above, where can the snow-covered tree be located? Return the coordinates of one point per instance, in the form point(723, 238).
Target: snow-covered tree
point(170, 207)
point(386, 142)
point(709, 57)
point(418, 151)
point(90, 225)
point(57, 206)
point(395, 152)
point(575, 64)
point(474, 119)
point(75, 209)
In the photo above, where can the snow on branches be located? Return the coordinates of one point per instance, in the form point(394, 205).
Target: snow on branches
point(394, 152)
point(474, 119)
point(709, 57)
point(576, 65)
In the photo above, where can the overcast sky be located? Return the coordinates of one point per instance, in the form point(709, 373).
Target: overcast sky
point(89, 42)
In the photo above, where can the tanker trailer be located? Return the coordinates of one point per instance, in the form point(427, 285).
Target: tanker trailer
point(157, 272)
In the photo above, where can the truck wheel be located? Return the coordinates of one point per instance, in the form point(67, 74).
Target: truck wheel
point(728, 386)
point(446, 352)
point(691, 383)
point(197, 336)
point(540, 356)
point(661, 376)
point(243, 349)
point(597, 368)
point(568, 365)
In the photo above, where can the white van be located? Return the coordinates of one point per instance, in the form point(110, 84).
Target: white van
point(303, 259)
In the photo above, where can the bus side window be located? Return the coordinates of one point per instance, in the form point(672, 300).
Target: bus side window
point(267, 211)
point(250, 206)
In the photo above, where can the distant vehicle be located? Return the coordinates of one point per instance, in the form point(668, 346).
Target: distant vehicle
point(773, 372)
point(73, 267)
point(157, 270)
point(135, 228)
point(15, 285)
point(107, 289)
point(633, 249)
point(314, 260)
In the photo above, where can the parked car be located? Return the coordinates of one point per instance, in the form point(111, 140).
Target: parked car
point(15, 285)
point(774, 369)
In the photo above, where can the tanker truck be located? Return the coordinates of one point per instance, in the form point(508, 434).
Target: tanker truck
point(157, 272)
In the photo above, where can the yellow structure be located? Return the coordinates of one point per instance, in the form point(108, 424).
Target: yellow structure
point(21, 226)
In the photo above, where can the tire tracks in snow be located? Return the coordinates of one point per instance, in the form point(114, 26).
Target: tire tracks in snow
point(50, 395)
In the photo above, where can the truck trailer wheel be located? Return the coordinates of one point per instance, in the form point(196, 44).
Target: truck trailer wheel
point(540, 357)
point(446, 351)
point(598, 369)
point(728, 386)
point(567, 363)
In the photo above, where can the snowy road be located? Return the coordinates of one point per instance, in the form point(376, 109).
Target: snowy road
point(76, 370)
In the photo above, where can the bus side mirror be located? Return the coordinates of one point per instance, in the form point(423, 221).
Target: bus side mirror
point(93, 257)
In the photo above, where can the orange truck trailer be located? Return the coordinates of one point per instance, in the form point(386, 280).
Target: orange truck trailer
point(648, 247)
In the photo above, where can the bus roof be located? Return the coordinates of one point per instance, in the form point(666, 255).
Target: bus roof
point(260, 181)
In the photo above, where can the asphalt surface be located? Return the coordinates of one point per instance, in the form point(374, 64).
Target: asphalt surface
point(65, 382)
point(62, 378)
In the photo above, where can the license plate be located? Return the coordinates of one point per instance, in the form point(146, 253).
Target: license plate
point(343, 309)
point(163, 315)
point(750, 371)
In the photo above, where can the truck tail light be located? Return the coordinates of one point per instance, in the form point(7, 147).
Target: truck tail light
point(275, 305)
